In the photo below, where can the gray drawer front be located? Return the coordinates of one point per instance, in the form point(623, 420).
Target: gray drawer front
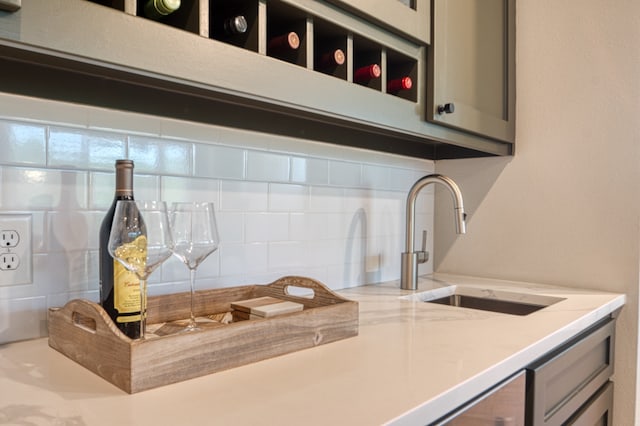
point(564, 383)
point(598, 411)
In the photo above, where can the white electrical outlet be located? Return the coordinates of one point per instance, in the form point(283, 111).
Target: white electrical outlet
point(15, 249)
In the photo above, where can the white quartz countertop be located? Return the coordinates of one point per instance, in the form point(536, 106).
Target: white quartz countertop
point(411, 363)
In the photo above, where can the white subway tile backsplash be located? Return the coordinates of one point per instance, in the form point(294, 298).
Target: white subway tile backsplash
point(265, 166)
point(243, 259)
point(185, 189)
point(288, 197)
point(312, 171)
point(356, 200)
point(283, 205)
point(211, 161)
point(244, 196)
point(287, 254)
point(102, 189)
point(230, 226)
point(145, 187)
point(326, 199)
point(69, 230)
point(342, 173)
point(161, 156)
point(375, 176)
point(337, 225)
point(84, 149)
point(22, 144)
point(39, 189)
point(402, 179)
point(172, 270)
point(308, 226)
point(266, 227)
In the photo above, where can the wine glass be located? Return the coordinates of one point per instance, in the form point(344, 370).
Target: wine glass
point(193, 225)
point(141, 240)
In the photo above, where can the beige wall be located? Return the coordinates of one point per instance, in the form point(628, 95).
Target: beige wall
point(566, 208)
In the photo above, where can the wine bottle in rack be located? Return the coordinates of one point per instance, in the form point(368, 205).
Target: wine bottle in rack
point(367, 73)
point(332, 59)
point(235, 25)
point(119, 288)
point(399, 84)
point(158, 9)
point(284, 43)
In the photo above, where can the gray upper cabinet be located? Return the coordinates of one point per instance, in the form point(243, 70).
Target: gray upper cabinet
point(107, 53)
point(411, 17)
point(472, 67)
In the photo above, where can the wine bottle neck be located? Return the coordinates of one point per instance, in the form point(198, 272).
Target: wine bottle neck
point(124, 179)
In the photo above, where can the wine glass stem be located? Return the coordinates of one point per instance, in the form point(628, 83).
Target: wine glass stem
point(192, 277)
point(143, 307)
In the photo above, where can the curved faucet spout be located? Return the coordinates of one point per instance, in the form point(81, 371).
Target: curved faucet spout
point(410, 258)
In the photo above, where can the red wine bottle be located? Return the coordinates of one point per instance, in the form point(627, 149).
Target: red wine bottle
point(399, 84)
point(284, 43)
point(119, 288)
point(367, 73)
point(332, 59)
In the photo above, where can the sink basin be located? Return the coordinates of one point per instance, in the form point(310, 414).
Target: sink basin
point(504, 302)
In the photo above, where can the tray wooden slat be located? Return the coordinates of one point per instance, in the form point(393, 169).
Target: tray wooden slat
point(84, 332)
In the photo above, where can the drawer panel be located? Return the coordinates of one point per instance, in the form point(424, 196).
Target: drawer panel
point(598, 411)
point(560, 385)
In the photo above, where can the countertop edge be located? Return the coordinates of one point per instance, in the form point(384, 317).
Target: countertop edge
point(468, 390)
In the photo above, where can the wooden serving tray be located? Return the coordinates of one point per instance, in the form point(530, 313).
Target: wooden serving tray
point(83, 331)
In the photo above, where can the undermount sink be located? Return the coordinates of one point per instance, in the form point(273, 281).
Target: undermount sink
point(505, 302)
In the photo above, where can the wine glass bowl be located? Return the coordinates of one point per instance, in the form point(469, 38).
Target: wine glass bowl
point(195, 233)
point(140, 240)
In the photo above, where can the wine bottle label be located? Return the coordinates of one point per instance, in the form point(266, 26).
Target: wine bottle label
point(126, 292)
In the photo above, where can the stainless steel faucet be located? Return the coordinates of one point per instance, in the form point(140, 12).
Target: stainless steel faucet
point(411, 258)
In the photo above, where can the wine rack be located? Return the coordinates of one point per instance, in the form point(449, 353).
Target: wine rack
point(270, 25)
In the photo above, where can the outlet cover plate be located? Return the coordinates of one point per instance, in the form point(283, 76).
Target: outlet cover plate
point(17, 227)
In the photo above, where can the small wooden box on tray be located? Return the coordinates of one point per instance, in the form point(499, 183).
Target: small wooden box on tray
point(83, 331)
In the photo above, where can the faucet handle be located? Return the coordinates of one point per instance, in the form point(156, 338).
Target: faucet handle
point(423, 255)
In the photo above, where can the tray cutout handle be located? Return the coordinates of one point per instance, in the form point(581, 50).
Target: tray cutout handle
point(312, 291)
point(88, 317)
point(84, 322)
point(297, 291)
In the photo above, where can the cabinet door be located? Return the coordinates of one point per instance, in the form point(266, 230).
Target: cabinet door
point(472, 65)
point(411, 17)
point(503, 406)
